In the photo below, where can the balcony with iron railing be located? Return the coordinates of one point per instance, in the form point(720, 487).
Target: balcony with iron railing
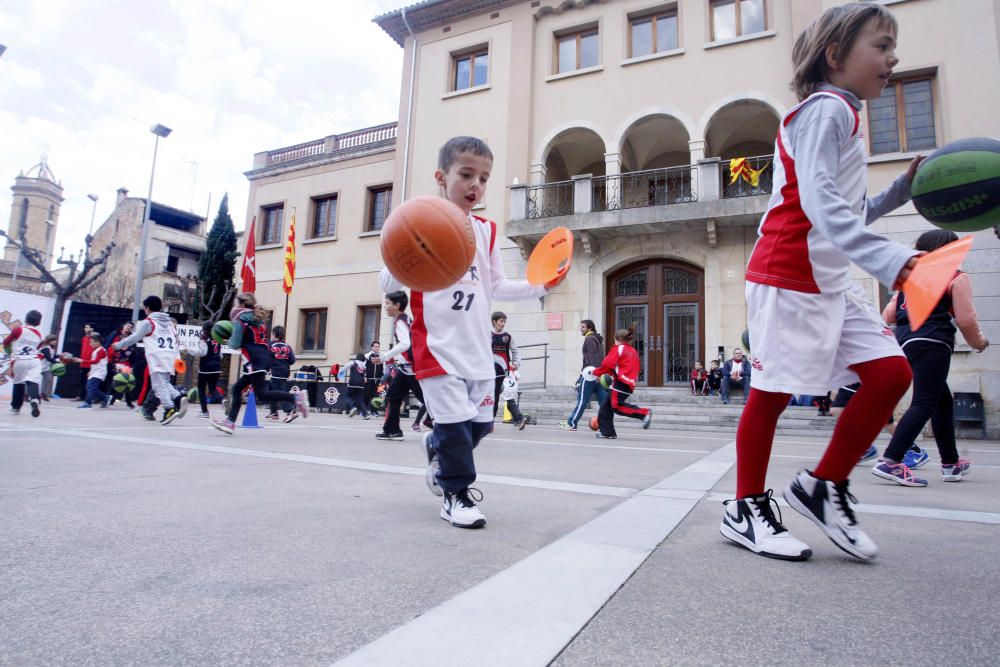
point(332, 147)
point(643, 201)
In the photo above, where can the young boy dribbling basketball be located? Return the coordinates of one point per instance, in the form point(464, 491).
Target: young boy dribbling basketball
point(452, 356)
point(817, 329)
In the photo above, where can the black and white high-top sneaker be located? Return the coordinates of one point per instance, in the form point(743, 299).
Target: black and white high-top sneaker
point(828, 504)
point(460, 509)
point(750, 522)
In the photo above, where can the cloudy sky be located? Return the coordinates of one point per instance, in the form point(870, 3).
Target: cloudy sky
point(82, 82)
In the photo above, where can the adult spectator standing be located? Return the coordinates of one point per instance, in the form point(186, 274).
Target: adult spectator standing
point(85, 354)
point(593, 354)
point(735, 371)
point(373, 373)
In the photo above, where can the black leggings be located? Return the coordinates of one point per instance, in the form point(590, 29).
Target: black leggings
point(261, 395)
point(931, 400)
point(207, 383)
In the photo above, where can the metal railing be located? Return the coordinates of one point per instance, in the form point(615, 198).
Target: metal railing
point(743, 185)
point(650, 187)
point(544, 356)
point(550, 199)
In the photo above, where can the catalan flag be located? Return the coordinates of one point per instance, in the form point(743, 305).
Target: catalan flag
point(739, 167)
point(290, 257)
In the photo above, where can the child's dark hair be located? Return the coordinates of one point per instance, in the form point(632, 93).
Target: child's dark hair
point(359, 357)
point(95, 336)
point(624, 335)
point(714, 361)
point(840, 26)
point(51, 339)
point(458, 145)
point(246, 299)
point(934, 239)
point(278, 332)
point(206, 328)
point(33, 318)
point(153, 302)
point(498, 315)
point(589, 324)
point(399, 298)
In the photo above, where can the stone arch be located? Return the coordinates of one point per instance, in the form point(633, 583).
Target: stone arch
point(742, 124)
point(578, 147)
point(654, 140)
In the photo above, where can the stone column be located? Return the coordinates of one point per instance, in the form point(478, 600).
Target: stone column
point(519, 202)
point(583, 193)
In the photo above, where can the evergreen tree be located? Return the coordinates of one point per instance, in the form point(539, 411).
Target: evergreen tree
point(217, 265)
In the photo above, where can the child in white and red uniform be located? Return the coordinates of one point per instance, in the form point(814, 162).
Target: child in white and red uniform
point(98, 374)
point(401, 356)
point(815, 327)
point(22, 343)
point(452, 357)
point(623, 361)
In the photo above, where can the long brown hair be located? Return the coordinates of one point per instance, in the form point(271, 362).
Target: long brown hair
point(838, 26)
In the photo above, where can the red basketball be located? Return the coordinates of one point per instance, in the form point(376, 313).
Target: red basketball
point(428, 243)
point(593, 424)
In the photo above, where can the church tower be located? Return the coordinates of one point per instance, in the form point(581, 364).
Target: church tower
point(37, 199)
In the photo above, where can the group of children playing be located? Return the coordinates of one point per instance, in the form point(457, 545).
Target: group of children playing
point(805, 312)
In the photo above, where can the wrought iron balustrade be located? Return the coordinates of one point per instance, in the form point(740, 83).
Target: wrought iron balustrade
point(550, 199)
point(742, 186)
point(651, 187)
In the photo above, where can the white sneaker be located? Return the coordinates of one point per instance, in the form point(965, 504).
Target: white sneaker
point(828, 504)
point(750, 522)
point(460, 509)
point(433, 466)
point(353, 412)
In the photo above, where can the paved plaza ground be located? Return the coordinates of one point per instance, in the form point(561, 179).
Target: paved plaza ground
point(311, 543)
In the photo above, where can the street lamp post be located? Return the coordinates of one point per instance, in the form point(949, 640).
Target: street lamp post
point(159, 131)
point(93, 212)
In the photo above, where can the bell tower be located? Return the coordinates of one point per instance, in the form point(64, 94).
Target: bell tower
point(35, 208)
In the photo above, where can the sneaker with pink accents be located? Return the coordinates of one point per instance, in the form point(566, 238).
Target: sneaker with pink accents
point(955, 471)
point(223, 425)
point(301, 403)
point(898, 473)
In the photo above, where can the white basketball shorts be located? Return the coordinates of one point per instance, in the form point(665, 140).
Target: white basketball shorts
point(27, 370)
point(452, 400)
point(806, 343)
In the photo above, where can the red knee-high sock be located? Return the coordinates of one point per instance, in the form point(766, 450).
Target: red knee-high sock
point(754, 438)
point(883, 383)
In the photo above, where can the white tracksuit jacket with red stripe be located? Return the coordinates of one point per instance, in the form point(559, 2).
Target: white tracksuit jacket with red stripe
point(451, 330)
point(815, 224)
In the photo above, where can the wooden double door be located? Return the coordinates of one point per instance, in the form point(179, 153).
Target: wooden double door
point(663, 303)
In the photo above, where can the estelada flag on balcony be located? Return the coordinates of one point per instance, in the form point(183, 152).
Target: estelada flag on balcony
point(290, 257)
point(248, 273)
point(740, 168)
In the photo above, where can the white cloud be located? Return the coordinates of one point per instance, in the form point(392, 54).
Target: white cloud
point(83, 82)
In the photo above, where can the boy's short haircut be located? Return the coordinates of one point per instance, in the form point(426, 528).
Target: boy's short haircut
point(278, 332)
point(458, 145)
point(934, 239)
point(715, 361)
point(838, 25)
point(207, 327)
point(153, 302)
point(589, 324)
point(498, 315)
point(624, 335)
point(33, 318)
point(399, 298)
point(95, 336)
point(359, 357)
point(375, 342)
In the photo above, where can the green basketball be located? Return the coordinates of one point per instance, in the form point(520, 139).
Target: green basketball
point(58, 369)
point(222, 331)
point(123, 382)
point(377, 402)
point(958, 187)
point(746, 340)
point(193, 394)
point(607, 380)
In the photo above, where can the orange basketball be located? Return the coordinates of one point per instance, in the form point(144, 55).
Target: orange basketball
point(428, 243)
point(593, 424)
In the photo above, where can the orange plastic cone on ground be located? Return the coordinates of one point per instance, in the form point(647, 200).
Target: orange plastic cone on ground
point(931, 277)
point(551, 257)
point(250, 416)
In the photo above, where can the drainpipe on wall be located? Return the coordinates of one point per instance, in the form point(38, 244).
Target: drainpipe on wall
point(409, 106)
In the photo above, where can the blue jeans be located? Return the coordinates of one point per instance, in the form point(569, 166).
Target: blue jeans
point(727, 382)
point(583, 395)
point(94, 393)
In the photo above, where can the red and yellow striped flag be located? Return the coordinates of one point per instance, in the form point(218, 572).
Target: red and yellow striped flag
point(289, 280)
